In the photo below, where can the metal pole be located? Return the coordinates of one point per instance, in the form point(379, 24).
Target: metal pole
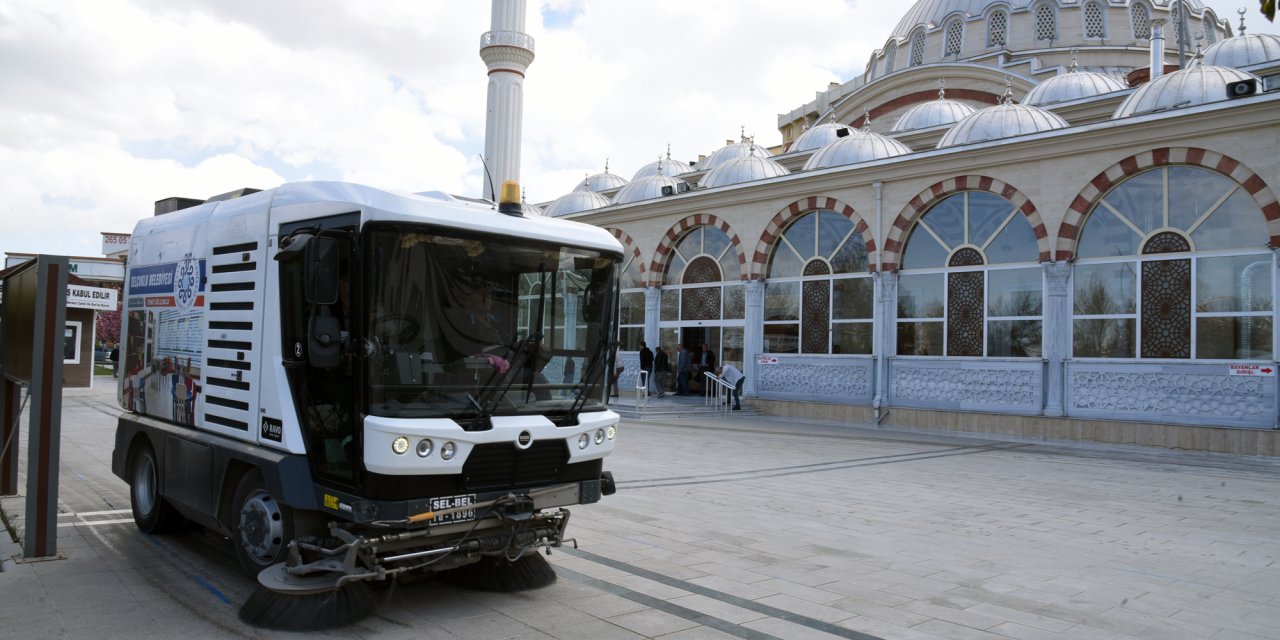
point(45, 428)
point(1181, 34)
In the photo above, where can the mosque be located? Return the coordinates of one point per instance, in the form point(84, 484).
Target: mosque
point(1033, 217)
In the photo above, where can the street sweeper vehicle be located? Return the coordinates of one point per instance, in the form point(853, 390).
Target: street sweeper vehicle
point(353, 385)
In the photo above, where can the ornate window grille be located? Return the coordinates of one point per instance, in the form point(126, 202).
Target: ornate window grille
point(1210, 27)
point(970, 283)
point(998, 29)
point(1168, 268)
point(818, 298)
point(917, 47)
point(1140, 18)
point(1095, 22)
point(890, 57)
point(1046, 22)
point(954, 38)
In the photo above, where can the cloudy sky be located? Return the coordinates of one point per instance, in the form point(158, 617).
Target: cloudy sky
point(109, 105)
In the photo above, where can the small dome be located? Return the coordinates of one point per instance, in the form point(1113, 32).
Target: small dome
point(739, 170)
point(1072, 85)
point(531, 210)
point(603, 181)
point(666, 166)
point(645, 188)
point(1243, 51)
point(933, 113)
point(818, 136)
point(731, 151)
point(575, 202)
point(858, 146)
point(1001, 121)
point(1200, 84)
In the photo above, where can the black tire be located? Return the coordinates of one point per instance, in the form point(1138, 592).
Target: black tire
point(261, 526)
point(151, 512)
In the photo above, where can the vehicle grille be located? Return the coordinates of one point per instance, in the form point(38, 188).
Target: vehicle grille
point(503, 465)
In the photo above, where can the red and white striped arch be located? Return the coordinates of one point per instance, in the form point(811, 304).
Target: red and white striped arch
point(679, 230)
point(798, 209)
point(1090, 196)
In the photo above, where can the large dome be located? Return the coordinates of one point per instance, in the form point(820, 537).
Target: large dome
point(1243, 51)
point(1072, 85)
point(662, 166)
point(739, 170)
point(575, 202)
point(818, 136)
point(1001, 121)
point(646, 188)
point(1200, 84)
point(858, 146)
point(732, 151)
point(931, 12)
point(933, 113)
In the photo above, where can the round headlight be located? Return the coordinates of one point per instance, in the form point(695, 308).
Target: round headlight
point(583, 441)
point(599, 436)
point(612, 432)
point(447, 450)
point(400, 445)
point(424, 447)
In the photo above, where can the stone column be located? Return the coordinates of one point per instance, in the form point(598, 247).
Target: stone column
point(652, 313)
point(752, 332)
point(884, 333)
point(1055, 335)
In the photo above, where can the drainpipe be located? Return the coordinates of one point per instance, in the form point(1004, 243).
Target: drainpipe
point(879, 322)
point(1157, 49)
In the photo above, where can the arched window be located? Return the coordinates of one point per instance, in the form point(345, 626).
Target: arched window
point(954, 39)
point(890, 57)
point(1140, 19)
point(631, 306)
point(1095, 21)
point(1171, 264)
point(917, 47)
point(703, 256)
point(1046, 21)
point(1210, 27)
point(970, 284)
point(819, 294)
point(998, 29)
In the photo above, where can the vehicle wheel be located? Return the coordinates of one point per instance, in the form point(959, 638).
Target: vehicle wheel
point(151, 512)
point(261, 526)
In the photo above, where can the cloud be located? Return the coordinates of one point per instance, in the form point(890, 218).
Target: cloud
point(112, 104)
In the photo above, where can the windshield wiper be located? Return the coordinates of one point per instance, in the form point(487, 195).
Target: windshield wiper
point(589, 382)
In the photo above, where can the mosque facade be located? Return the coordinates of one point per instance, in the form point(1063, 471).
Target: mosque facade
point(1032, 217)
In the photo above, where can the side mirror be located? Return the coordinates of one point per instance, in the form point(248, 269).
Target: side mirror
point(322, 270)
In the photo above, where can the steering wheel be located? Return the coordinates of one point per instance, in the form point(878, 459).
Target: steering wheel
point(400, 326)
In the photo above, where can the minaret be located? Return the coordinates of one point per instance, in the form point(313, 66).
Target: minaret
point(507, 51)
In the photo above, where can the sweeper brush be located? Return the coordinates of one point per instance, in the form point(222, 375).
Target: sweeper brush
point(501, 575)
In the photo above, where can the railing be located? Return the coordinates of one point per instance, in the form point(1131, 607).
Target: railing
point(506, 38)
point(642, 392)
point(718, 392)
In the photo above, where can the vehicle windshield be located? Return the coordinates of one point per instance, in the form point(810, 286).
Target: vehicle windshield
point(465, 325)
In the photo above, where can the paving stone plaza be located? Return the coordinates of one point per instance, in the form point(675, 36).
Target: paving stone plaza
point(750, 527)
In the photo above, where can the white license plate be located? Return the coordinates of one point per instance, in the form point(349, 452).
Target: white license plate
point(454, 502)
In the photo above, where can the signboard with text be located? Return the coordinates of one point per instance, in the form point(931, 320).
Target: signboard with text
point(1264, 370)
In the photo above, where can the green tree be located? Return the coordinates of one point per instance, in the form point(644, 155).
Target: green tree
point(1268, 9)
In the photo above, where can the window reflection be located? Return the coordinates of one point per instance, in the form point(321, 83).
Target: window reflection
point(819, 295)
point(1137, 284)
point(981, 310)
